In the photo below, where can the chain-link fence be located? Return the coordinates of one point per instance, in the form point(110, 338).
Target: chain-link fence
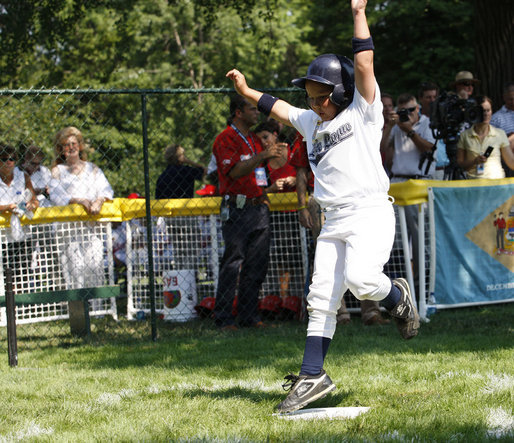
point(101, 239)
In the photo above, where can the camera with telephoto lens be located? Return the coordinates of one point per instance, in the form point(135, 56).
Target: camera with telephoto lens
point(449, 116)
point(449, 113)
point(403, 115)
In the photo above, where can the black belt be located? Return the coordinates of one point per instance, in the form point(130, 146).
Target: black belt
point(255, 201)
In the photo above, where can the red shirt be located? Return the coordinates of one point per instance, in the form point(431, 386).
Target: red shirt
point(300, 159)
point(500, 223)
point(229, 148)
point(287, 170)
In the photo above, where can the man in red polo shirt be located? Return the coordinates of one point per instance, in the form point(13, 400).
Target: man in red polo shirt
point(244, 214)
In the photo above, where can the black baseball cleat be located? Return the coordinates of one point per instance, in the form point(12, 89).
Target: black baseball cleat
point(304, 389)
point(405, 313)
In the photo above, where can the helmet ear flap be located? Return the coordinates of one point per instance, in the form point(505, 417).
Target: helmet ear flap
point(337, 97)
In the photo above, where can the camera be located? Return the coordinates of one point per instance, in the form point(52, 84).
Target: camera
point(449, 113)
point(403, 115)
point(449, 116)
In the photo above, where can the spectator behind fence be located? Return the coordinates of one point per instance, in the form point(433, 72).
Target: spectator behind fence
point(282, 174)
point(504, 119)
point(76, 180)
point(464, 84)
point(244, 214)
point(406, 138)
point(481, 148)
point(178, 179)
point(17, 198)
point(40, 175)
point(428, 93)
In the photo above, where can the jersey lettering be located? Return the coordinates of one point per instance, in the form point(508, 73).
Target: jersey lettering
point(321, 147)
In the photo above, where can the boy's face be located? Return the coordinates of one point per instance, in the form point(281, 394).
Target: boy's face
point(318, 97)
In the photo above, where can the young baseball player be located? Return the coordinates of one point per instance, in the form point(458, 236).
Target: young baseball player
point(343, 131)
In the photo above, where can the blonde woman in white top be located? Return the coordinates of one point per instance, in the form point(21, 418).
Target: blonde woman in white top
point(76, 180)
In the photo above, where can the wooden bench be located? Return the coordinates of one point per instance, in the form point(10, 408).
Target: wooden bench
point(78, 309)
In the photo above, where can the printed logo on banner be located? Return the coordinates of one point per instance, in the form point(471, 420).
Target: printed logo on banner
point(495, 234)
point(172, 298)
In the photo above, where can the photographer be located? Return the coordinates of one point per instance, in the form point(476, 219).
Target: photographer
point(406, 140)
point(481, 148)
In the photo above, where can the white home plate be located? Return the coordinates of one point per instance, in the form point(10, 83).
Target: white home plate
point(322, 413)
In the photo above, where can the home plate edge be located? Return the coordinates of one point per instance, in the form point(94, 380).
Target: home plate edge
point(324, 413)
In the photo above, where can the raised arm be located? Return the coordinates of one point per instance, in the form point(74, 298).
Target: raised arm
point(363, 60)
point(279, 109)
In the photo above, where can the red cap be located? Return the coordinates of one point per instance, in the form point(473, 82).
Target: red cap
point(207, 190)
point(134, 195)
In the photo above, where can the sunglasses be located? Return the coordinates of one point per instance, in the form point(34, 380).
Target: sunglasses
point(466, 83)
point(7, 159)
point(410, 110)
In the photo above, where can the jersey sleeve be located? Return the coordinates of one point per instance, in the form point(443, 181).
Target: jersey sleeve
point(371, 113)
point(303, 120)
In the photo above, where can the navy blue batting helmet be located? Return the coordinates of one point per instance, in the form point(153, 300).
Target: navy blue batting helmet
point(334, 70)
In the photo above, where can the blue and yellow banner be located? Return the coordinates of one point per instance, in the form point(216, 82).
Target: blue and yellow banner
point(474, 231)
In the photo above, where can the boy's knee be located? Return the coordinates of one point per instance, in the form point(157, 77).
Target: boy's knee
point(360, 284)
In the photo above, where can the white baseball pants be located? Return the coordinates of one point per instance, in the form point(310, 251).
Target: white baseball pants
point(352, 248)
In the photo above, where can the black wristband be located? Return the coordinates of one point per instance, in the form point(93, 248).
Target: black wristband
point(265, 104)
point(362, 44)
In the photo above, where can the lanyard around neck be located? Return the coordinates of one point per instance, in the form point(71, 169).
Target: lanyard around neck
point(244, 138)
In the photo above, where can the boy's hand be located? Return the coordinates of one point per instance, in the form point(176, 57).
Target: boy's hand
point(358, 5)
point(239, 81)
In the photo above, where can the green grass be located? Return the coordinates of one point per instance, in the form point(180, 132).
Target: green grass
point(454, 382)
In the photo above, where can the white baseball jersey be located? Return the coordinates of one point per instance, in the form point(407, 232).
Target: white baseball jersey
point(344, 153)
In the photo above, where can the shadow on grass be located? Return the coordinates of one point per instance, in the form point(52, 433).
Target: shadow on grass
point(199, 345)
point(333, 399)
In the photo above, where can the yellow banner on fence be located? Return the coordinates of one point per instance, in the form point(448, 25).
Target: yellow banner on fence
point(413, 192)
point(410, 192)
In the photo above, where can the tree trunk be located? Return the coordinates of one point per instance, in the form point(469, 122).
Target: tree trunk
point(494, 46)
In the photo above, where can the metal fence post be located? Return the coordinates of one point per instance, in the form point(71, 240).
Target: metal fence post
point(10, 308)
point(153, 316)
